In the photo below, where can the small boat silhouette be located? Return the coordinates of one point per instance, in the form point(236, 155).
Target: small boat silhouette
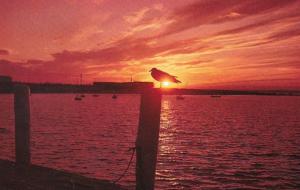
point(114, 96)
point(180, 97)
point(95, 95)
point(78, 98)
point(215, 96)
point(3, 130)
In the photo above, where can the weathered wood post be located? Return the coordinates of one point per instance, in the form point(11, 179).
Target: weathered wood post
point(147, 139)
point(22, 125)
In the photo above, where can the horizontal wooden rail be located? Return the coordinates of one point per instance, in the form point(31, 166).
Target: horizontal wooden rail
point(146, 142)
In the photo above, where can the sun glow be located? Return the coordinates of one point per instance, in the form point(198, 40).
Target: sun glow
point(165, 83)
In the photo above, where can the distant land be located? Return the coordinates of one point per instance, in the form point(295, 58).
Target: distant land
point(118, 88)
point(7, 86)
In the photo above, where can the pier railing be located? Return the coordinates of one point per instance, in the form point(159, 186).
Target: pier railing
point(146, 141)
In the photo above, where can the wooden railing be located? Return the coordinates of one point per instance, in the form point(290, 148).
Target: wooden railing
point(146, 141)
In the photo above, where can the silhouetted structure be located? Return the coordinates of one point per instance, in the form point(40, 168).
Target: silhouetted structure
point(6, 84)
point(147, 139)
point(5, 79)
point(22, 125)
point(123, 85)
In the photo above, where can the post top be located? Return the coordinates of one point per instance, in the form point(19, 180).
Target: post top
point(21, 88)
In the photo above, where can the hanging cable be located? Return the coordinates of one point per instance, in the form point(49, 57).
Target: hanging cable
point(129, 163)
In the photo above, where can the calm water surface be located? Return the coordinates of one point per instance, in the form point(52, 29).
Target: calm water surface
point(248, 142)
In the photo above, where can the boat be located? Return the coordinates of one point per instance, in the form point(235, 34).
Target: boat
point(78, 98)
point(180, 97)
point(215, 96)
point(81, 95)
point(3, 130)
point(95, 95)
point(114, 96)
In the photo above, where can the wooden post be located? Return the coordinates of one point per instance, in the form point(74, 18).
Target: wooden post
point(147, 139)
point(22, 125)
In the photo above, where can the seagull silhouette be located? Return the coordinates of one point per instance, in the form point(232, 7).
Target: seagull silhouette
point(162, 76)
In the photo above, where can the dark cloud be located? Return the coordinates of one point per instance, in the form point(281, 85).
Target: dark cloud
point(198, 13)
point(12, 68)
point(217, 11)
point(4, 52)
point(252, 7)
point(283, 35)
point(246, 28)
point(21, 72)
point(263, 23)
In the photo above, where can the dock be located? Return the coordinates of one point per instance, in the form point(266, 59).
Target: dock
point(35, 177)
point(21, 174)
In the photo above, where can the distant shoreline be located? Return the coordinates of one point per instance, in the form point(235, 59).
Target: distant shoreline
point(139, 87)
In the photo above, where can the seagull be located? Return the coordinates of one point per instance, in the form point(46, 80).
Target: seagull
point(162, 76)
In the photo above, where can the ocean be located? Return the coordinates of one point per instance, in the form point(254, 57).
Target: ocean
point(232, 142)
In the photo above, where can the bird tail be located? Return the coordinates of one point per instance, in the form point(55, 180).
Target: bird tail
point(177, 81)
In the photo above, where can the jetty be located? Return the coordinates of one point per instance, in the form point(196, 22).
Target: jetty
point(14, 177)
point(22, 174)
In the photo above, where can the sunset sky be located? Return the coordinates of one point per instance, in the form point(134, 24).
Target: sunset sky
point(230, 44)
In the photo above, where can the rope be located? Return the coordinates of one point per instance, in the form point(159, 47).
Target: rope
point(129, 163)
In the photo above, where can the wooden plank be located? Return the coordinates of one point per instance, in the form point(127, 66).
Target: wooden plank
point(42, 178)
point(22, 124)
point(147, 139)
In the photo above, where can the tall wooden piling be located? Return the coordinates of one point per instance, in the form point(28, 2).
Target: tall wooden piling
point(147, 139)
point(22, 124)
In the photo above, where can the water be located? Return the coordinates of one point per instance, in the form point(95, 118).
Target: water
point(250, 142)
